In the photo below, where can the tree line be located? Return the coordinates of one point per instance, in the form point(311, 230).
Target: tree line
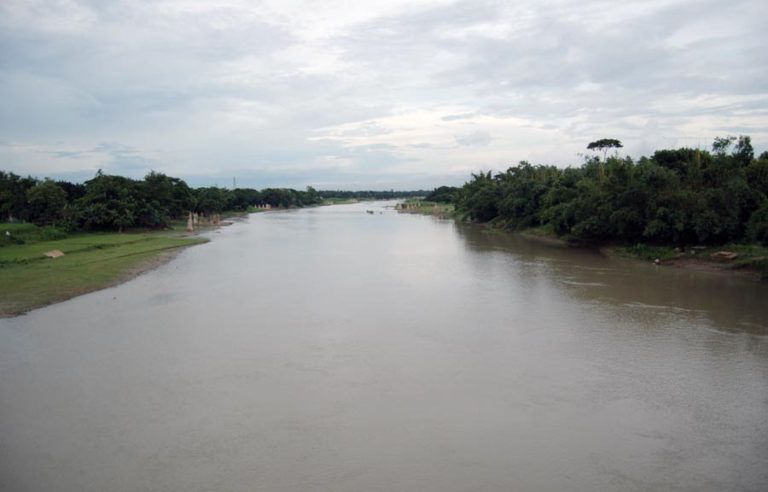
point(371, 194)
point(682, 197)
point(109, 202)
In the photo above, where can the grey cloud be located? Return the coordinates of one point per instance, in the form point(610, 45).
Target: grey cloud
point(68, 154)
point(114, 157)
point(476, 139)
point(745, 130)
point(235, 88)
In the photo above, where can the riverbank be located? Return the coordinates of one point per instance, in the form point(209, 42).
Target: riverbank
point(736, 259)
point(78, 263)
point(423, 207)
point(742, 259)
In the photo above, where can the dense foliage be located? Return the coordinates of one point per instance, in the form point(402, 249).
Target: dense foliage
point(443, 194)
point(109, 202)
point(681, 197)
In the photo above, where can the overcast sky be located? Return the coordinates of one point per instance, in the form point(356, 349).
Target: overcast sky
point(368, 94)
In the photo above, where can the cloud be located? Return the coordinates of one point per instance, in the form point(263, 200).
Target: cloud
point(460, 116)
point(286, 89)
point(478, 138)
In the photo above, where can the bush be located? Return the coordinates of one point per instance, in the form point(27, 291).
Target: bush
point(757, 229)
point(51, 234)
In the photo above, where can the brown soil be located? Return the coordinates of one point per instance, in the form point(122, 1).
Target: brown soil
point(700, 265)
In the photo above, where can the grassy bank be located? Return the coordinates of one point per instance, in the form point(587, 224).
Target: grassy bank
point(544, 234)
point(416, 206)
point(750, 259)
point(746, 257)
point(91, 261)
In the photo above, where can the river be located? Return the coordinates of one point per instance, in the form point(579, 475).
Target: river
point(332, 349)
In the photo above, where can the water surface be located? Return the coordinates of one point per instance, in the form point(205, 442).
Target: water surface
point(331, 349)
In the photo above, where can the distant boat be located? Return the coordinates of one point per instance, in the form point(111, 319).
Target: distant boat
point(369, 211)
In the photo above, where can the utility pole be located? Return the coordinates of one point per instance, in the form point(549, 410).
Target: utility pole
point(234, 183)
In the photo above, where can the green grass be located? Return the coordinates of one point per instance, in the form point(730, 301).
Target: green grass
point(90, 262)
point(751, 256)
point(18, 227)
point(645, 252)
point(416, 206)
point(12, 234)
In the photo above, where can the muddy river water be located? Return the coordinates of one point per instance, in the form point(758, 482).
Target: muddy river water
point(333, 349)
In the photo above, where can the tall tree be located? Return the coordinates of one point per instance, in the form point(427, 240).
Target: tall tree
point(604, 145)
point(46, 203)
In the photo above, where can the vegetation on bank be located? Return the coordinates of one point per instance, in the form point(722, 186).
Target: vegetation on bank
point(658, 206)
point(80, 221)
point(427, 207)
point(115, 203)
point(90, 261)
point(675, 197)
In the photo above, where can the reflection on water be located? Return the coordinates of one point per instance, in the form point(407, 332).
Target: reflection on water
point(330, 349)
point(719, 300)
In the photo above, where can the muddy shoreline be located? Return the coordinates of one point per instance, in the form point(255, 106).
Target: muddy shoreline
point(698, 264)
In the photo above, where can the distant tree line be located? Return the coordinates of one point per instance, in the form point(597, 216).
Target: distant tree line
point(109, 202)
point(682, 197)
point(372, 195)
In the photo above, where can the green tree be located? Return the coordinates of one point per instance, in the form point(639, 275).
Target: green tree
point(211, 200)
point(109, 203)
point(758, 225)
point(443, 194)
point(13, 196)
point(743, 151)
point(604, 145)
point(171, 197)
point(479, 198)
point(47, 201)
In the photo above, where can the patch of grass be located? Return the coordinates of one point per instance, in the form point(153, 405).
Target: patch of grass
point(646, 252)
point(752, 257)
point(417, 206)
point(17, 227)
point(90, 262)
point(748, 250)
point(12, 234)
